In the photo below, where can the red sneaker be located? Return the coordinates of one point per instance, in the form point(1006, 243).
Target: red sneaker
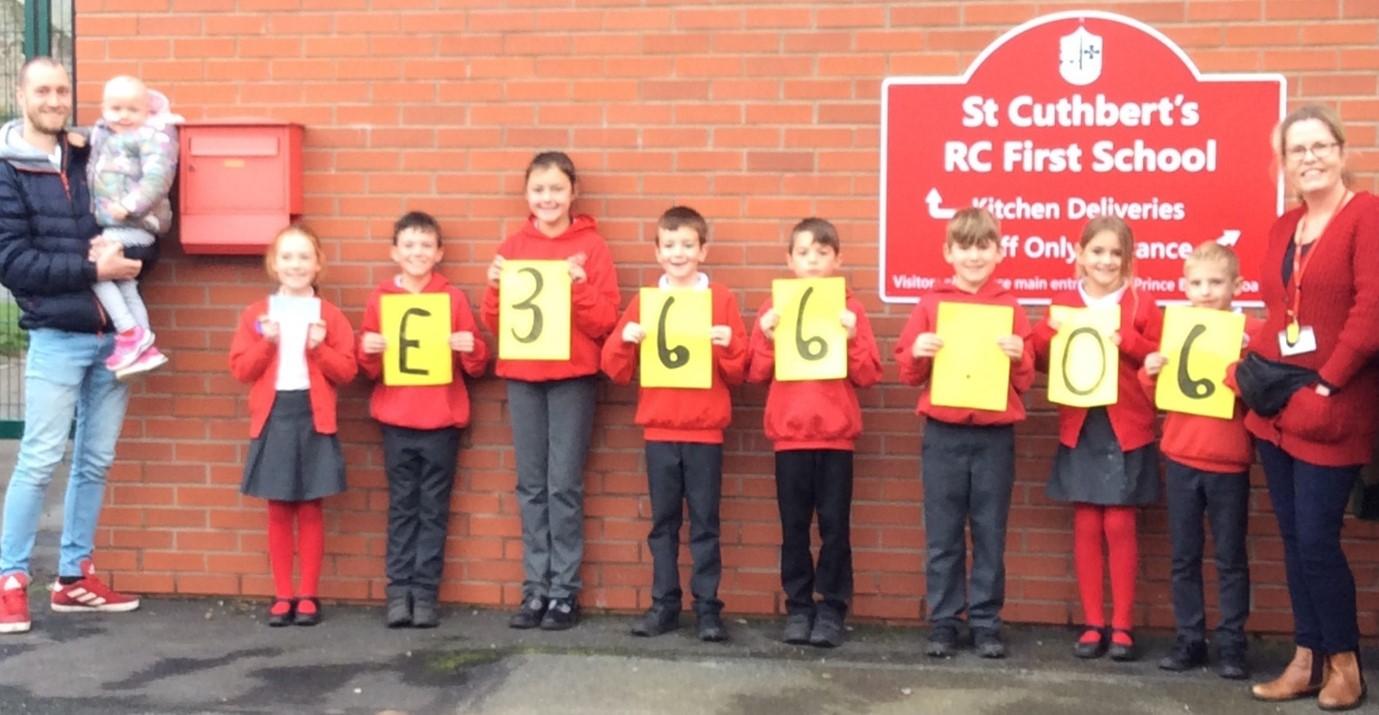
point(90, 594)
point(14, 603)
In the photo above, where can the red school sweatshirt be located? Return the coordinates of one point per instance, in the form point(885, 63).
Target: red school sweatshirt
point(1340, 302)
point(672, 414)
point(1210, 444)
point(1132, 415)
point(593, 301)
point(423, 406)
point(915, 371)
point(815, 414)
point(253, 359)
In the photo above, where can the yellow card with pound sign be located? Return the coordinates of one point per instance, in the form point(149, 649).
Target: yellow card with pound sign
point(534, 310)
point(1083, 361)
point(677, 351)
point(970, 370)
point(417, 328)
point(1199, 344)
point(811, 342)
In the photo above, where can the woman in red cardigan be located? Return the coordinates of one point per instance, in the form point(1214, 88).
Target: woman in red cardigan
point(1320, 283)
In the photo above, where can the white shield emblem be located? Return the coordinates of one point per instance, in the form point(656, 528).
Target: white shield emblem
point(1079, 57)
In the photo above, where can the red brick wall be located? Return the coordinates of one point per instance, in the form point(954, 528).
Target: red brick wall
point(757, 113)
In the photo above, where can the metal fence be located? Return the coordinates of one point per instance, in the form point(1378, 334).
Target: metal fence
point(35, 27)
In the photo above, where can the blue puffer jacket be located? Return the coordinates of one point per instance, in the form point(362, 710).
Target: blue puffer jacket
point(46, 228)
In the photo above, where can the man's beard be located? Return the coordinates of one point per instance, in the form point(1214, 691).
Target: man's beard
point(39, 121)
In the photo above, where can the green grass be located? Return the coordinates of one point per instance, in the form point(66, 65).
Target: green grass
point(12, 339)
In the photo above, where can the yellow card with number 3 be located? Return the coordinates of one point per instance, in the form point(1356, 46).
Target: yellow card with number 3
point(811, 342)
point(534, 310)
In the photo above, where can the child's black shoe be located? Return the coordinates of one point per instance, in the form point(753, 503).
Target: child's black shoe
point(529, 615)
point(658, 619)
point(1231, 663)
point(797, 629)
point(1122, 649)
point(1185, 655)
point(281, 612)
point(989, 643)
point(828, 629)
point(561, 614)
point(943, 642)
point(710, 628)
point(308, 611)
point(399, 611)
point(1092, 643)
point(424, 614)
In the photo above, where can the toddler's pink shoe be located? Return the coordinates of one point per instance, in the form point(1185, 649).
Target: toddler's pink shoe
point(148, 360)
point(129, 346)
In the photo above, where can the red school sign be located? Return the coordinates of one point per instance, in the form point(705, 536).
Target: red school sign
point(1065, 118)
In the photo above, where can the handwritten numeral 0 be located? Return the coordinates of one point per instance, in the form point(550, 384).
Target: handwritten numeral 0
point(1068, 352)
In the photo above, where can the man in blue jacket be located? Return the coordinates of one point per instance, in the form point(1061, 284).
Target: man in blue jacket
point(48, 261)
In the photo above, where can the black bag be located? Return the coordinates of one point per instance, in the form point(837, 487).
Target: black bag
point(1266, 385)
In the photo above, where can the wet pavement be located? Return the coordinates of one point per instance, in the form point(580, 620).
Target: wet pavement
point(217, 656)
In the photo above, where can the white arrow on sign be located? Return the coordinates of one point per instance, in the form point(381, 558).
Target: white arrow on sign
point(1228, 237)
point(935, 206)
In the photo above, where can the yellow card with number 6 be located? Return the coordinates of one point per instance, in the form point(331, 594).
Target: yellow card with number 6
point(534, 310)
point(811, 342)
point(677, 351)
point(1200, 343)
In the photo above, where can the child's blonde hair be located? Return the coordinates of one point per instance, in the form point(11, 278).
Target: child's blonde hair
point(1115, 225)
point(973, 227)
point(1213, 252)
point(296, 229)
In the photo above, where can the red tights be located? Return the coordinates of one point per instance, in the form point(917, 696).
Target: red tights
point(310, 545)
point(1117, 525)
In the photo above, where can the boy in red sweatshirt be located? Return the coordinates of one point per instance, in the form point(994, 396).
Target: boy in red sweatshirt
point(684, 434)
point(421, 427)
point(813, 425)
point(1208, 472)
point(969, 454)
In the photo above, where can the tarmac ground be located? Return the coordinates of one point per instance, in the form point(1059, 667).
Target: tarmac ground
point(217, 656)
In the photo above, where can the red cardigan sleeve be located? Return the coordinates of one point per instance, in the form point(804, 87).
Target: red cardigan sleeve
point(250, 353)
point(335, 354)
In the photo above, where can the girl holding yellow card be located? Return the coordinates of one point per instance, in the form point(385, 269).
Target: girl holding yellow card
point(1107, 464)
point(294, 349)
point(551, 392)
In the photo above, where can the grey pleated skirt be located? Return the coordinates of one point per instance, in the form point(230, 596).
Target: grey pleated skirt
point(290, 460)
point(1096, 471)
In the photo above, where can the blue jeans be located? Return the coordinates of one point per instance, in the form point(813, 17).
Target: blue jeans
point(1310, 501)
point(65, 374)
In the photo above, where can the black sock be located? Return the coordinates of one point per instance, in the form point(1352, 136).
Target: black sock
point(68, 580)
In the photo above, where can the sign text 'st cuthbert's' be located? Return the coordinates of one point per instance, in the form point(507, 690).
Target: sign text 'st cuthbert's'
point(1069, 117)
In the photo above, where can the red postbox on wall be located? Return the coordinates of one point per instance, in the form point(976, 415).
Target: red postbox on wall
point(241, 182)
